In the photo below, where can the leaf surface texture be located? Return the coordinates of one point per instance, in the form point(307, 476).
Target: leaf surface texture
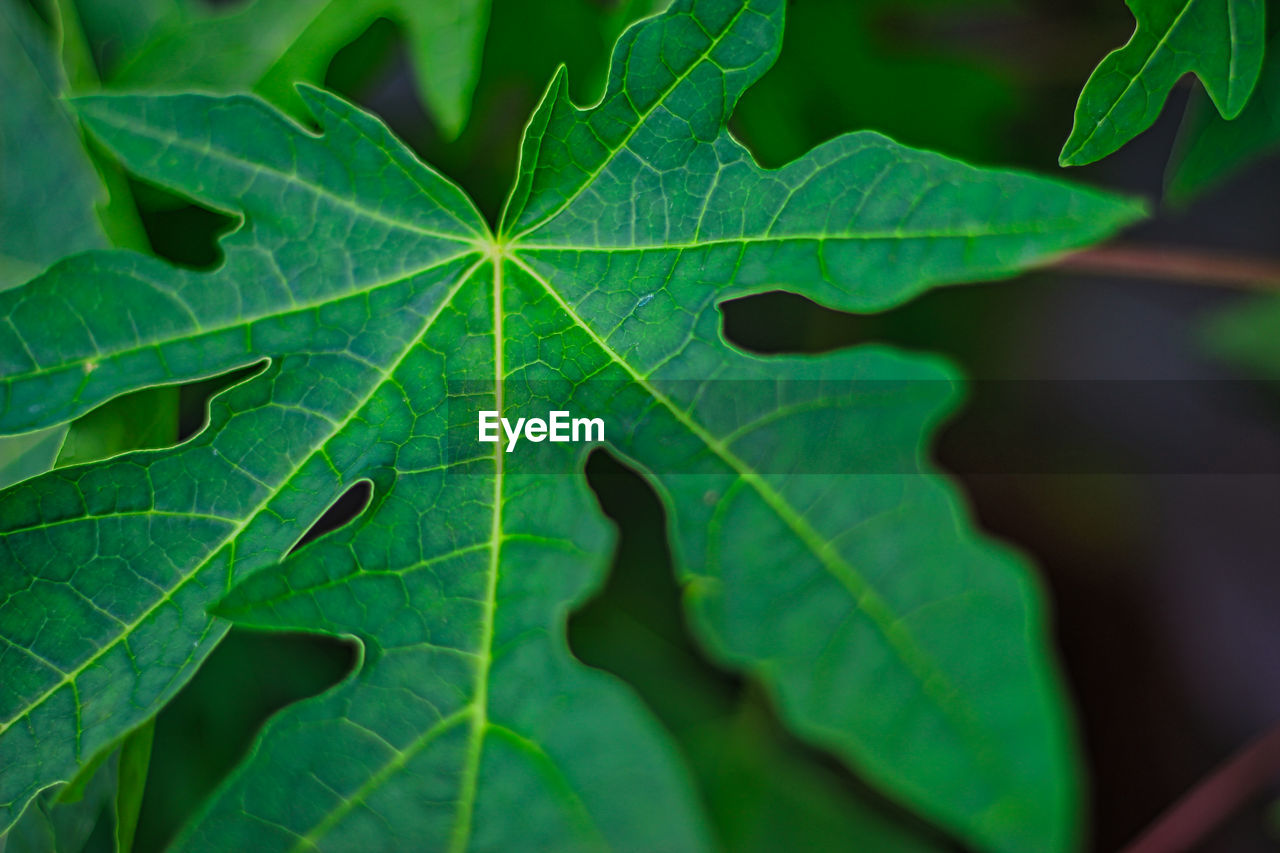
point(819, 552)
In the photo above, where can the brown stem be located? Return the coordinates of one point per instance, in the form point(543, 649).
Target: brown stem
point(1176, 265)
point(1214, 799)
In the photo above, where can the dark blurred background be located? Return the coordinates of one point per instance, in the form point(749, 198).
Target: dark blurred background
point(1152, 523)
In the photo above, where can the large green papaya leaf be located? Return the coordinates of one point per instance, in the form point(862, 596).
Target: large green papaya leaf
point(818, 551)
point(1220, 41)
point(268, 45)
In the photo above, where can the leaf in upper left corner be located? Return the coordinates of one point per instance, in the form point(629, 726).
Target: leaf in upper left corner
point(49, 184)
point(268, 45)
point(1220, 41)
point(49, 192)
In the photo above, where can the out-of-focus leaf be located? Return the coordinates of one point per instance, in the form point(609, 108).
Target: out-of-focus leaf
point(1220, 41)
point(1246, 335)
point(269, 45)
point(848, 68)
point(1210, 148)
point(131, 782)
point(48, 191)
point(115, 29)
point(48, 185)
point(105, 794)
point(390, 313)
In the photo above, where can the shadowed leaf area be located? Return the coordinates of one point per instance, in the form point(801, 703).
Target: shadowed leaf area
point(266, 45)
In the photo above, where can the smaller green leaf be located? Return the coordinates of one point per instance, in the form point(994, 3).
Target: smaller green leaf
point(1220, 41)
point(117, 28)
point(1211, 148)
point(268, 45)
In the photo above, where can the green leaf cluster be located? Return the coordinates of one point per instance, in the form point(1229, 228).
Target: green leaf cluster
point(819, 552)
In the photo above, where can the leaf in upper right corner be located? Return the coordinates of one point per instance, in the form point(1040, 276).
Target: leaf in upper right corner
point(1211, 149)
point(1220, 41)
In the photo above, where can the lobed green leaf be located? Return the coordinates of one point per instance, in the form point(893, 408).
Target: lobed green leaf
point(1211, 149)
point(1220, 41)
point(820, 552)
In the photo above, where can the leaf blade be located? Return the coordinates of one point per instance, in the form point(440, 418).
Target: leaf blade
point(1221, 41)
point(1210, 149)
point(389, 314)
point(155, 514)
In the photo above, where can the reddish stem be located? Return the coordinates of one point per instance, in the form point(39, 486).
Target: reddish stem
point(1177, 265)
point(1214, 799)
